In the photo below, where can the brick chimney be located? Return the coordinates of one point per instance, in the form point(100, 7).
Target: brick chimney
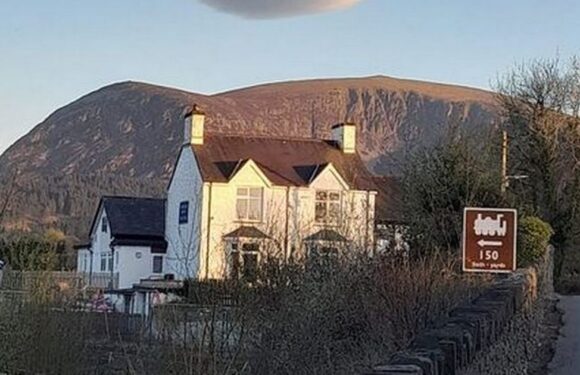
point(345, 136)
point(194, 124)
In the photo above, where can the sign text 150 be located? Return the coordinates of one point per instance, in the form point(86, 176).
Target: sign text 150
point(489, 255)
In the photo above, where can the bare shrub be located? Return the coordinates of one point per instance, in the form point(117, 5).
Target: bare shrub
point(341, 320)
point(540, 100)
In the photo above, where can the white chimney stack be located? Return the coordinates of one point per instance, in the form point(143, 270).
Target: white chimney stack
point(194, 124)
point(345, 136)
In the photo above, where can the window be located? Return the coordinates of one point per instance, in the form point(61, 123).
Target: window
point(249, 204)
point(85, 263)
point(104, 225)
point(183, 212)
point(327, 207)
point(244, 264)
point(157, 264)
point(107, 262)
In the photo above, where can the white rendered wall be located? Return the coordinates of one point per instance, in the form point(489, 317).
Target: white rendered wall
point(135, 263)
point(184, 239)
point(100, 241)
point(83, 260)
point(224, 219)
point(357, 222)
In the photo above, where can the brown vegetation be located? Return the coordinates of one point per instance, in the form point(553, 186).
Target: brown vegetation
point(339, 320)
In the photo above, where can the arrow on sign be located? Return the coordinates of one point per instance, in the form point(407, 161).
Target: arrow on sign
point(484, 243)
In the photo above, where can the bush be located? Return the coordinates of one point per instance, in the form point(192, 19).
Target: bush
point(534, 237)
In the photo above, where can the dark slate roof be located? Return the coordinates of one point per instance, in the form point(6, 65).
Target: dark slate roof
point(247, 232)
point(326, 235)
point(158, 244)
point(389, 200)
point(286, 162)
point(134, 221)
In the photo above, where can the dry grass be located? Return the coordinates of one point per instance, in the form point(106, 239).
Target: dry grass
point(337, 319)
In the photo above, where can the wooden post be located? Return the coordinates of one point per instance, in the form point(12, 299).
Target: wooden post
point(504, 160)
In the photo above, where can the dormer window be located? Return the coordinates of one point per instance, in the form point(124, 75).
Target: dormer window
point(249, 204)
point(104, 225)
point(327, 207)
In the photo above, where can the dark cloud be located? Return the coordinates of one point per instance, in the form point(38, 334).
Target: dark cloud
point(277, 8)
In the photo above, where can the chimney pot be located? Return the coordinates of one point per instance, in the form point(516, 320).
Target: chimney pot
point(194, 126)
point(345, 136)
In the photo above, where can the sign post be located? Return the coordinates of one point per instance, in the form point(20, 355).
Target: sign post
point(489, 239)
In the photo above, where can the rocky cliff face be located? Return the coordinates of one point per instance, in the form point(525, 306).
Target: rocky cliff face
point(134, 130)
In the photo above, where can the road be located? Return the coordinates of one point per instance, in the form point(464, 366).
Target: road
point(567, 357)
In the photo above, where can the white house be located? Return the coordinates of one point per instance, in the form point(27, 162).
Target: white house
point(231, 202)
point(127, 245)
point(234, 199)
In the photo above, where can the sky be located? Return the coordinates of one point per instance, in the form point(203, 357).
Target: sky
point(54, 51)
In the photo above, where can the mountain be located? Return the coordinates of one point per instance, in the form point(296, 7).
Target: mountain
point(124, 138)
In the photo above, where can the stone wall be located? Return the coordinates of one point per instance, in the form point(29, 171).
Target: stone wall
point(497, 333)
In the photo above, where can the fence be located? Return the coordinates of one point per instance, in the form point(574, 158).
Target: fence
point(28, 280)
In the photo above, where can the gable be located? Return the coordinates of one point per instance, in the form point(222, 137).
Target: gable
point(97, 219)
point(328, 179)
point(249, 173)
point(186, 167)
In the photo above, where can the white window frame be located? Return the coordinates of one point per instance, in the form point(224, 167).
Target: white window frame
point(104, 225)
point(153, 264)
point(85, 262)
point(248, 198)
point(328, 202)
point(107, 257)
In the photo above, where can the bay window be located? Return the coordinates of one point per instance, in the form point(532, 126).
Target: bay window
point(327, 207)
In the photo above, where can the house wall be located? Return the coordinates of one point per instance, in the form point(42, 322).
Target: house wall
point(197, 249)
point(100, 240)
point(83, 260)
point(357, 212)
point(135, 263)
point(184, 239)
point(100, 243)
point(222, 216)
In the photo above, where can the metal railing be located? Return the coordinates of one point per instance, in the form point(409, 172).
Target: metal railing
point(100, 280)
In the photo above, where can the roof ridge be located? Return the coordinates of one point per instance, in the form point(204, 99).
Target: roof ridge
point(259, 136)
point(131, 197)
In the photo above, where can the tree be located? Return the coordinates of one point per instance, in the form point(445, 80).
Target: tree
point(8, 192)
point(540, 101)
point(28, 253)
point(461, 170)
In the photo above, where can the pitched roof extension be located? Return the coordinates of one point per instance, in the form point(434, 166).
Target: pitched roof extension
point(134, 221)
point(141, 217)
point(389, 200)
point(247, 232)
point(326, 235)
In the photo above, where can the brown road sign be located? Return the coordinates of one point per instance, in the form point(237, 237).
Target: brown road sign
point(489, 239)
